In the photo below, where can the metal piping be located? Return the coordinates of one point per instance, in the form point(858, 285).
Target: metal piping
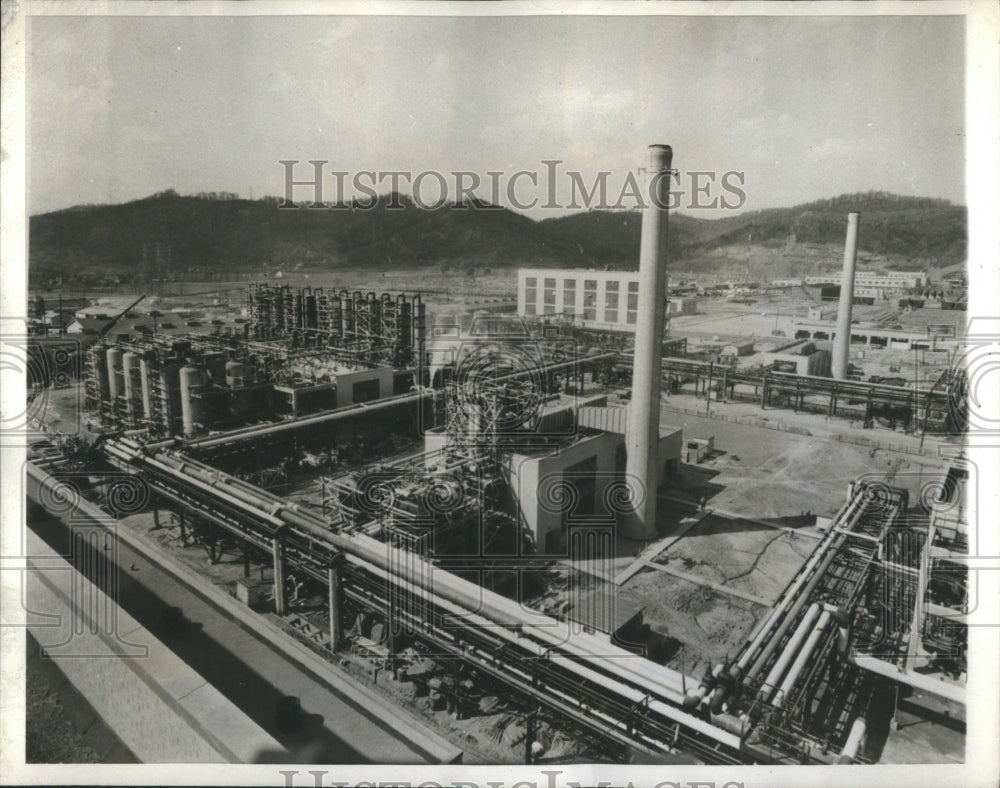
point(800, 661)
point(842, 341)
point(773, 679)
point(643, 437)
point(850, 512)
point(850, 752)
point(428, 582)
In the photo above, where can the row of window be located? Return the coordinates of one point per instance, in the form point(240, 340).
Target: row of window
point(612, 299)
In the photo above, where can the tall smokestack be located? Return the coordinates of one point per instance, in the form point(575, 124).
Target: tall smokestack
point(842, 342)
point(643, 436)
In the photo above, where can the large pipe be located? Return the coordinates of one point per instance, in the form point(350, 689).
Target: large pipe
point(778, 671)
point(848, 515)
point(116, 384)
point(800, 661)
point(455, 595)
point(643, 438)
point(814, 571)
point(842, 342)
point(850, 752)
point(372, 553)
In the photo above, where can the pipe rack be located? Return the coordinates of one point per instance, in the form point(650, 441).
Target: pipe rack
point(602, 681)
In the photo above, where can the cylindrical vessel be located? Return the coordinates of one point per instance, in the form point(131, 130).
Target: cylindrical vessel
point(133, 387)
point(100, 361)
point(190, 378)
point(144, 379)
point(116, 385)
point(842, 342)
point(643, 437)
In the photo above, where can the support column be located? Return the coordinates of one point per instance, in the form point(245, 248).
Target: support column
point(333, 577)
point(763, 393)
point(278, 553)
point(156, 517)
point(246, 558)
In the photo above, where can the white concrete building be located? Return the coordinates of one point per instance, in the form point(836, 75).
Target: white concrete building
point(596, 299)
point(890, 280)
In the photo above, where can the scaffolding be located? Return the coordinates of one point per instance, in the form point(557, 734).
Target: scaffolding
point(96, 393)
point(378, 330)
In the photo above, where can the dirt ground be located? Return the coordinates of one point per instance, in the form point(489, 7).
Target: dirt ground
point(709, 624)
point(770, 474)
point(739, 555)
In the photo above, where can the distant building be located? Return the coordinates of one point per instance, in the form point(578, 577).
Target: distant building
point(893, 282)
point(800, 357)
point(92, 313)
point(733, 351)
point(86, 325)
point(596, 299)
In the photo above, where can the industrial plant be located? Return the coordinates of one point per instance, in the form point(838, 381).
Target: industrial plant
point(533, 529)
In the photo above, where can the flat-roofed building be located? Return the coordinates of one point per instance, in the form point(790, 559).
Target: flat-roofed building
point(595, 299)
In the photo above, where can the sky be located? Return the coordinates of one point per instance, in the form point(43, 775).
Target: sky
point(801, 107)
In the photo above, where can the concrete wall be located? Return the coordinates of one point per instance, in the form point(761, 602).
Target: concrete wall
point(159, 709)
point(816, 363)
point(532, 476)
point(346, 381)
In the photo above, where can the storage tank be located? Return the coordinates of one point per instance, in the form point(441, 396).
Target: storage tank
point(133, 386)
point(190, 378)
point(236, 373)
point(116, 385)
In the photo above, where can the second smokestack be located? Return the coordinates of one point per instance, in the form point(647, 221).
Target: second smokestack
point(642, 438)
point(842, 340)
